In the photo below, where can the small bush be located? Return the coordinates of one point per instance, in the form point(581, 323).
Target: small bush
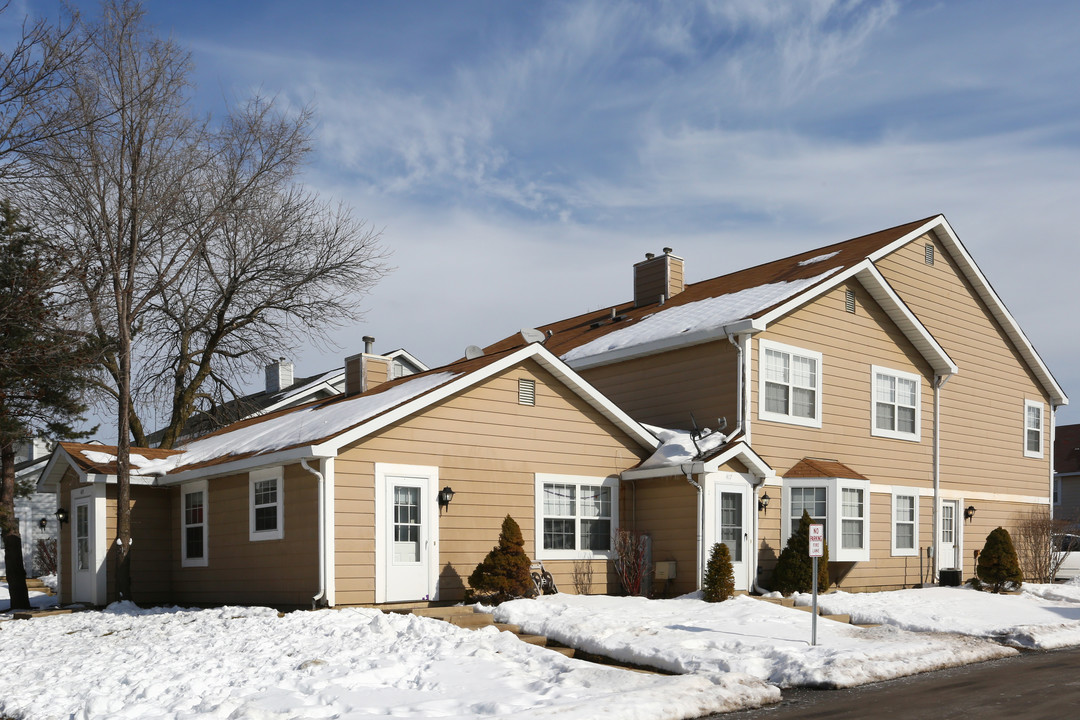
point(583, 576)
point(998, 565)
point(631, 560)
point(504, 573)
point(719, 582)
point(794, 569)
point(45, 557)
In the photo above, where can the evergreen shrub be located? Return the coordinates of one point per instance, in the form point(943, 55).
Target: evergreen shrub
point(719, 582)
point(794, 569)
point(504, 573)
point(998, 565)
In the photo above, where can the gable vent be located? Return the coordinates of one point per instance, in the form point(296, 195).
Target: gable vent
point(928, 254)
point(526, 392)
point(849, 300)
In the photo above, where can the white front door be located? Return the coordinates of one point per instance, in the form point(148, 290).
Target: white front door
point(409, 546)
point(948, 539)
point(732, 523)
point(83, 565)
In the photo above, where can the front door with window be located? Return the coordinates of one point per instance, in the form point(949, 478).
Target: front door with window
point(409, 543)
point(84, 566)
point(732, 523)
point(948, 540)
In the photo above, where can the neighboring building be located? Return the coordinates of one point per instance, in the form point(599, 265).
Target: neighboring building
point(1067, 474)
point(882, 382)
point(282, 390)
point(337, 501)
point(30, 459)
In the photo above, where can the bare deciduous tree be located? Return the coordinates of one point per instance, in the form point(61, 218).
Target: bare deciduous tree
point(193, 251)
point(1033, 538)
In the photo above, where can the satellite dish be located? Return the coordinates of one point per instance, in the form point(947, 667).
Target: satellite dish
point(531, 335)
point(472, 352)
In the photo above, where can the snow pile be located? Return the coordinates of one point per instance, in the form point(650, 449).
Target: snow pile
point(249, 663)
point(678, 447)
point(700, 316)
point(1041, 617)
point(741, 635)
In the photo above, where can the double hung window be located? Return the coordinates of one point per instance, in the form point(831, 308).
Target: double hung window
point(905, 522)
point(896, 404)
point(193, 525)
point(789, 384)
point(576, 515)
point(1033, 429)
point(266, 504)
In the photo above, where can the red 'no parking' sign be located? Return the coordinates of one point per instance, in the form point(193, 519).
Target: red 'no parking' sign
point(817, 541)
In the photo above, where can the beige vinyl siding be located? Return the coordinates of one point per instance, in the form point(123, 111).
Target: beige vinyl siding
point(666, 510)
point(281, 572)
point(665, 389)
point(151, 549)
point(850, 344)
point(376, 371)
point(488, 448)
point(982, 408)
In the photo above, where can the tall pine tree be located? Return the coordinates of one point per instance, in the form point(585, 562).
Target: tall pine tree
point(44, 370)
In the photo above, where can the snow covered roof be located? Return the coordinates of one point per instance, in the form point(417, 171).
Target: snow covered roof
point(748, 300)
point(322, 427)
point(680, 453)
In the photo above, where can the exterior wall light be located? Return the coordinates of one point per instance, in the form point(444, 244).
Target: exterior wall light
point(445, 496)
point(43, 523)
point(61, 516)
point(969, 512)
point(763, 501)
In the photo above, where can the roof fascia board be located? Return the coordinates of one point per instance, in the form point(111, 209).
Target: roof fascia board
point(747, 456)
point(332, 446)
point(747, 325)
point(680, 470)
point(940, 226)
point(898, 311)
point(402, 352)
point(45, 482)
point(241, 465)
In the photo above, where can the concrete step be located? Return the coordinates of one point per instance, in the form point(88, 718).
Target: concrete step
point(443, 613)
point(470, 622)
point(534, 640)
point(846, 619)
point(567, 651)
point(507, 627)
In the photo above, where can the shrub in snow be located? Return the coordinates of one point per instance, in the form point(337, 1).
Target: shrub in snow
point(794, 571)
point(998, 565)
point(631, 555)
point(504, 573)
point(719, 582)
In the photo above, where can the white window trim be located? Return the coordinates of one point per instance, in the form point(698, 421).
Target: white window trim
point(895, 434)
point(203, 487)
point(262, 475)
point(764, 414)
point(899, 551)
point(1042, 427)
point(833, 508)
point(540, 553)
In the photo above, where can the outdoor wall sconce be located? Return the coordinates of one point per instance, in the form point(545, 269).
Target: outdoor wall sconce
point(61, 516)
point(43, 523)
point(763, 501)
point(969, 512)
point(445, 496)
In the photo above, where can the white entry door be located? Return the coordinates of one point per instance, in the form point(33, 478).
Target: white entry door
point(948, 539)
point(83, 562)
point(732, 524)
point(409, 549)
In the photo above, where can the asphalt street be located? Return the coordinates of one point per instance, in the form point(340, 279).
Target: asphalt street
point(1031, 686)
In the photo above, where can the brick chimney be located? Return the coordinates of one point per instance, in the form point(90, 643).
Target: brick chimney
point(657, 278)
point(279, 375)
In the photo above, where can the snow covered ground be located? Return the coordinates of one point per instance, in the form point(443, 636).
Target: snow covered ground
point(249, 663)
point(1040, 617)
point(743, 635)
point(37, 599)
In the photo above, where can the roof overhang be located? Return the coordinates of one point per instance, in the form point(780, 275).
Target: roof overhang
point(739, 451)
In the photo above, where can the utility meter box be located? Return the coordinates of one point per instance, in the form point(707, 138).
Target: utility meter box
point(664, 570)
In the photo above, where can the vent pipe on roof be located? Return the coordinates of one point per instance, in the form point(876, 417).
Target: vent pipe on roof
point(369, 344)
point(656, 277)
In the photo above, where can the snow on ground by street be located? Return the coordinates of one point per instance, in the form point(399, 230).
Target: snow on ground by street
point(247, 663)
point(742, 635)
point(1041, 617)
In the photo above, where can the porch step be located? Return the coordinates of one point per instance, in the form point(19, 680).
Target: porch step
point(31, 614)
point(35, 585)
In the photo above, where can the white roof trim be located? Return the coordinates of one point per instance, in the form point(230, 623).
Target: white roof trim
point(402, 352)
point(668, 343)
point(945, 234)
point(232, 467)
point(533, 351)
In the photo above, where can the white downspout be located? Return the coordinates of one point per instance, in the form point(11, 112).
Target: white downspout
point(321, 595)
point(700, 523)
point(738, 386)
point(1053, 435)
point(939, 383)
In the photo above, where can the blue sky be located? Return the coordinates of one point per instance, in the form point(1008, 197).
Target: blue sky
point(519, 157)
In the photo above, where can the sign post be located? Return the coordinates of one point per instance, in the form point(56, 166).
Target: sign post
point(817, 549)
